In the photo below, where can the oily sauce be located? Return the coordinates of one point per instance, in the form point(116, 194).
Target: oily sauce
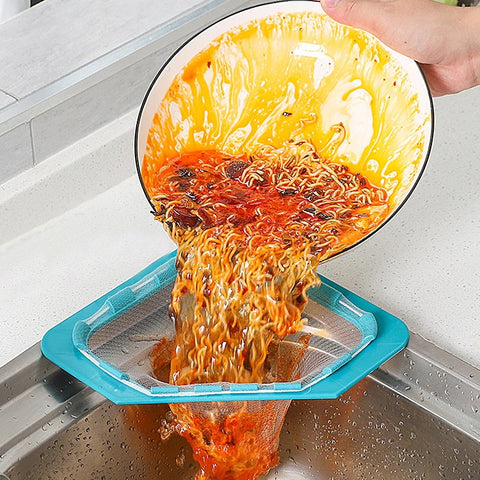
point(208, 190)
point(277, 211)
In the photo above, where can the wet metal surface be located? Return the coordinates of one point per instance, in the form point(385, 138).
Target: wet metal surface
point(416, 418)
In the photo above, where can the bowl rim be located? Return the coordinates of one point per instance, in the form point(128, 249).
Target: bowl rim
point(241, 12)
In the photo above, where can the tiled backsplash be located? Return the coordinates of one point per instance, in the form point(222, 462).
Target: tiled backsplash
point(70, 67)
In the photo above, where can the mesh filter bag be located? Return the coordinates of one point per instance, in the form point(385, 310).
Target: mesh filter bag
point(133, 327)
point(120, 345)
point(230, 438)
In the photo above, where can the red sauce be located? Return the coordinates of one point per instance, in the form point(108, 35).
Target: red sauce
point(210, 193)
point(318, 214)
point(223, 444)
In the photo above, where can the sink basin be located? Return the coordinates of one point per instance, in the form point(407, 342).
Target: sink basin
point(417, 417)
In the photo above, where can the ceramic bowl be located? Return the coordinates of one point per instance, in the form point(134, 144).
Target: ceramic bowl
point(258, 77)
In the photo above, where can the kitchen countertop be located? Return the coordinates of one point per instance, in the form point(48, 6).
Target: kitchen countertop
point(423, 266)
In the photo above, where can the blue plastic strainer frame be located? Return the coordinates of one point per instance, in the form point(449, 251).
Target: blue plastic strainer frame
point(66, 346)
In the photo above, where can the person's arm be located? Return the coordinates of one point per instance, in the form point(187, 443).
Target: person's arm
point(445, 40)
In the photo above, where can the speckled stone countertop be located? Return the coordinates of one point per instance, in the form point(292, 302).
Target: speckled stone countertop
point(423, 266)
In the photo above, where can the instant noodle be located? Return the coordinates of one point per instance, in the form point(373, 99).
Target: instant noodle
point(265, 149)
point(251, 231)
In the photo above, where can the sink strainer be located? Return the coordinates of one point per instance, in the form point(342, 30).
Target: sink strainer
point(108, 345)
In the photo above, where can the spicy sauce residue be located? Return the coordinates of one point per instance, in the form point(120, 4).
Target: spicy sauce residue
point(208, 190)
point(212, 198)
point(251, 230)
point(241, 445)
point(234, 440)
point(257, 82)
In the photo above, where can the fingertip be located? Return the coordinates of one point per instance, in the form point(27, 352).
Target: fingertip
point(337, 9)
point(361, 14)
point(329, 4)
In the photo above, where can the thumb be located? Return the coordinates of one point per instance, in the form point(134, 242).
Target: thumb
point(356, 13)
point(400, 24)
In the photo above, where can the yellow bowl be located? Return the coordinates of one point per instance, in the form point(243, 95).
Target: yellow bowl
point(286, 69)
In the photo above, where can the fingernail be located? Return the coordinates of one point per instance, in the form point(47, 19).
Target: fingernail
point(330, 3)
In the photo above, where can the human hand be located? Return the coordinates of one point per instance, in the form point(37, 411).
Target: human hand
point(443, 39)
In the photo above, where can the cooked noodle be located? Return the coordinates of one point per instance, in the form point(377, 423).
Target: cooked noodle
point(251, 231)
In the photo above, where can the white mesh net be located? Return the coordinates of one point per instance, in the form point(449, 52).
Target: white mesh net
point(127, 341)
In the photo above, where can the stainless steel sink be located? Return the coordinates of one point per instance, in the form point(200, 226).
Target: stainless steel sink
point(415, 418)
